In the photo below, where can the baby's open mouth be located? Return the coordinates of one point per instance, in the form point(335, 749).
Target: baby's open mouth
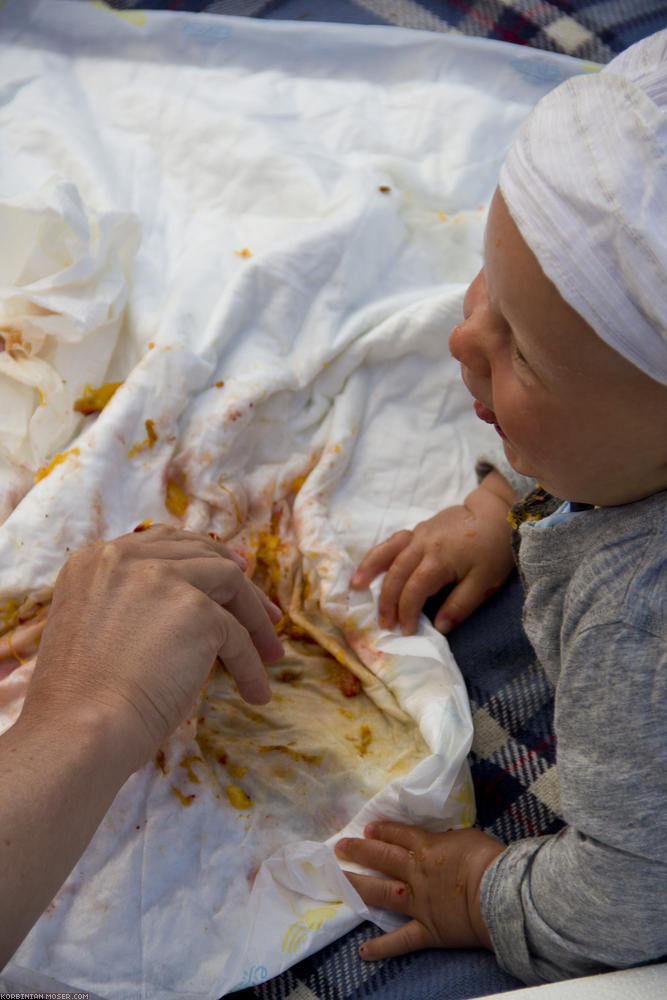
point(487, 415)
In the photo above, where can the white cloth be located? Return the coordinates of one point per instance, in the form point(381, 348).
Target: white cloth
point(286, 322)
point(586, 183)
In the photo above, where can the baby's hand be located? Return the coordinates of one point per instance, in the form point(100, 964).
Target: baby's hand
point(434, 878)
point(467, 546)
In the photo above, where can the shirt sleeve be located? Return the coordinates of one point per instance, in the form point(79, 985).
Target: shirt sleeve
point(592, 898)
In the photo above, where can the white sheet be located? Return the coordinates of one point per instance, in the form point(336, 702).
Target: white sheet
point(310, 201)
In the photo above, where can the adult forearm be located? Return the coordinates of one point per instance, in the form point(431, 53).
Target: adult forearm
point(57, 780)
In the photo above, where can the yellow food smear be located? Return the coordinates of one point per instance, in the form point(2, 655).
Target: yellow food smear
point(56, 460)
point(94, 400)
point(243, 253)
point(8, 613)
point(267, 556)
point(296, 484)
point(185, 800)
point(364, 741)
point(307, 758)
point(236, 770)
point(147, 442)
point(187, 763)
point(175, 500)
point(152, 433)
point(238, 797)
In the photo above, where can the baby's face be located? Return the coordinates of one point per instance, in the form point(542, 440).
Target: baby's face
point(571, 411)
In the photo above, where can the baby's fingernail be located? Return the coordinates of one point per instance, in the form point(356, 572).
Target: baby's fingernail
point(341, 844)
point(444, 625)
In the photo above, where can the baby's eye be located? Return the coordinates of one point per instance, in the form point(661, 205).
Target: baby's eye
point(518, 356)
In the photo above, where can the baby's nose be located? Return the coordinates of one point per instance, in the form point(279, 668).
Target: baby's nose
point(466, 344)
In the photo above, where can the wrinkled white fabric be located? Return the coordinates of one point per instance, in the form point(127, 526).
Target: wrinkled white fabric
point(586, 183)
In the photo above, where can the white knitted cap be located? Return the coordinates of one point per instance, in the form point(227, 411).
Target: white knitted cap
point(586, 184)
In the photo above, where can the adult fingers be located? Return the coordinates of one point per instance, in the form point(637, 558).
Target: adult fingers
point(176, 544)
point(379, 559)
point(240, 656)
point(224, 582)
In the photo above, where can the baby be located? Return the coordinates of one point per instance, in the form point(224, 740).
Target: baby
point(564, 348)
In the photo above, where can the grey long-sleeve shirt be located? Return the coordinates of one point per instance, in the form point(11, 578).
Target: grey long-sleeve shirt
point(594, 895)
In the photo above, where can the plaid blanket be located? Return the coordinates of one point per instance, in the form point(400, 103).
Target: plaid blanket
point(588, 29)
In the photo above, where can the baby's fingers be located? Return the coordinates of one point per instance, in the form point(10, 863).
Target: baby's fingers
point(412, 936)
point(462, 600)
point(378, 559)
point(427, 578)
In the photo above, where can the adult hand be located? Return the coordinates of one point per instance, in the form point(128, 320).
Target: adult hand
point(433, 878)
point(466, 545)
point(135, 627)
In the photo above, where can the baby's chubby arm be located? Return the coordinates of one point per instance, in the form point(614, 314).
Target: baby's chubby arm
point(433, 878)
point(467, 545)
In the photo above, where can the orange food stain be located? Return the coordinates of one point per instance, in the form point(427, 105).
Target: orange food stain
point(296, 484)
point(146, 523)
point(267, 556)
point(237, 509)
point(236, 770)
point(56, 460)
point(288, 676)
point(152, 433)
point(187, 763)
point(364, 741)
point(307, 758)
point(238, 797)
point(348, 683)
point(148, 442)
point(243, 253)
point(9, 613)
point(94, 400)
point(185, 800)
point(175, 500)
